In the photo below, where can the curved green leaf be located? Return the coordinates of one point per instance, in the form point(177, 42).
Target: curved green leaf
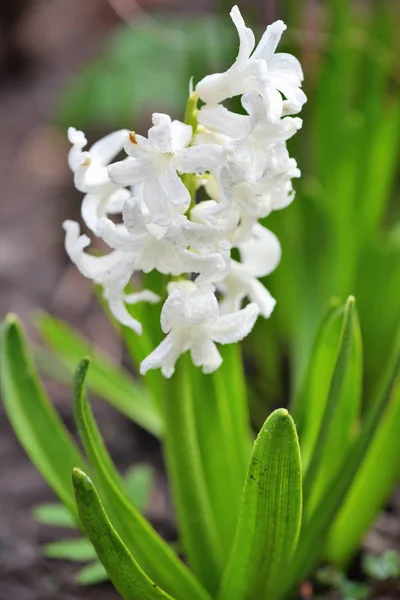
point(107, 379)
point(151, 552)
point(36, 423)
point(373, 484)
point(337, 420)
point(315, 531)
point(270, 519)
point(125, 573)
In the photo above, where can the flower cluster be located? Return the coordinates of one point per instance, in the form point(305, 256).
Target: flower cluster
point(239, 166)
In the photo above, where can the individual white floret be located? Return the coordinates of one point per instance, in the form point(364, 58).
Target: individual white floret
point(158, 159)
point(112, 271)
point(191, 319)
point(263, 71)
point(260, 255)
point(91, 177)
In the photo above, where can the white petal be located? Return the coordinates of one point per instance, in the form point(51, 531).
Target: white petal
point(160, 135)
point(205, 354)
point(121, 313)
point(133, 217)
point(246, 36)
point(98, 268)
point(181, 135)
point(269, 41)
point(157, 203)
point(286, 65)
point(117, 237)
point(235, 326)
point(130, 171)
point(142, 296)
point(78, 140)
point(218, 118)
point(173, 187)
point(199, 159)
point(94, 207)
point(108, 147)
point(261, 253)
point(164, 356)
point(260, 295)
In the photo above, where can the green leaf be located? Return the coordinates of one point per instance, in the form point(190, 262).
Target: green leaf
point(341, 404)
point(125, 573)
point(139, 484)
point(195, 518)
point(92, 574)
point(316, 529)
point(79, 550)
point(270, 518)
point(149, 549)
point(378, 475)
point(36, 423)
point(223, 434)
point(54, 514)
point(108, 380)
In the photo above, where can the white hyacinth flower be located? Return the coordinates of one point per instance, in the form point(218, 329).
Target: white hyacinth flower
point(260, 255)
point(191, 319)
point(112, 271)
point(91, 177)
point(263, 71)
point(157, 160)
point(250, 135)
point(187, 195)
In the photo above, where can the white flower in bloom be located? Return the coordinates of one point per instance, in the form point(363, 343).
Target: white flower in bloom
point(260, 255)
point(263, 71)
point(158, 159)
point(191, 319)
point(250, 135)
point(187, 195)
point(91, 177)
point(112, 271)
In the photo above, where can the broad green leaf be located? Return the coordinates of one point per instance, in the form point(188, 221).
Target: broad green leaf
point(36, 423)
point(270, 518)
point(79, 550)
point(54, 514)
point(107, 379)
point(125, 573)
point(373, 484)
point(149, 549)
point(196, 524)
point(92, 574)
point(336, 423)
point(139, 484)
point(315, 530)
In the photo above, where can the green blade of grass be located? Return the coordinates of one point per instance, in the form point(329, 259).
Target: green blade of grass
point(149, 549)
point(92, 574)
point(108, 380)
point(270, 520)
point(125, 573)
point(36, 423)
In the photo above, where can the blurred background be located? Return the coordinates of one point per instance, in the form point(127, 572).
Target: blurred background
point(102, 64)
